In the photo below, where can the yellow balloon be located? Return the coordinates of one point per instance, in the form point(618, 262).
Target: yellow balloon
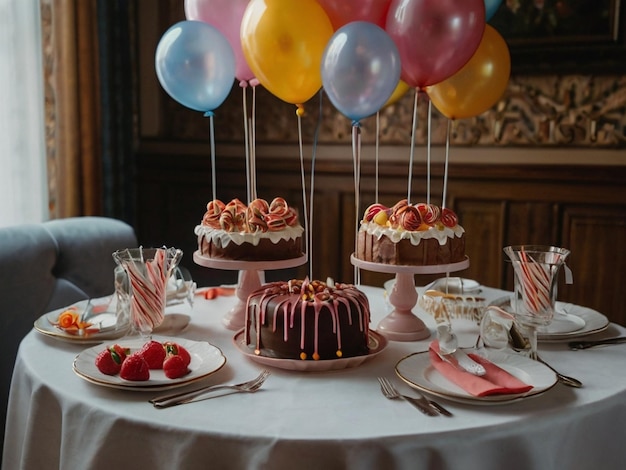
point(283, 42)
point(401, 88)
point(479, 84)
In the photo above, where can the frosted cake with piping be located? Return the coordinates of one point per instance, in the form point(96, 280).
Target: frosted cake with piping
point(260, 231)
point(410, 234)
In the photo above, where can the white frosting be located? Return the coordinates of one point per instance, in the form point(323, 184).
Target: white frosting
point(395, 235)
point(238, 238)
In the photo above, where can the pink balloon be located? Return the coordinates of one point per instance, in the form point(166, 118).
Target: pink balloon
point(225, 16)
point(342, 12)
point(435, 38)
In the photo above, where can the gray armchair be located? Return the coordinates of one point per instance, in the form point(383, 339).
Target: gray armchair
point(48, 266)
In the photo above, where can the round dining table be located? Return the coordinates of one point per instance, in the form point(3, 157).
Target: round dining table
point(310, 419)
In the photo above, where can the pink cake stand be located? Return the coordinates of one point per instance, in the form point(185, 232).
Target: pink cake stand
point(402, 324)
point(248, 281)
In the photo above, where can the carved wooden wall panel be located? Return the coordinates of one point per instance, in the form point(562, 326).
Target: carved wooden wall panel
point(596, 237)
point(547, 110)
point(486, 219)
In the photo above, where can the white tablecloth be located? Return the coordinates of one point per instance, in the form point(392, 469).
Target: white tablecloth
point(302, 420)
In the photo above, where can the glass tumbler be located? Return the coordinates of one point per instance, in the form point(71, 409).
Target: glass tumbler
point(141, 288)
point(536, 269)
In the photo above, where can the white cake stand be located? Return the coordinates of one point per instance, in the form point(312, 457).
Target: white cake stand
point(402, 324)
point(248, 281)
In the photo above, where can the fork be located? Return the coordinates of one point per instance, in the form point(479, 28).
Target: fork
point(426, 406)
point(174, 399)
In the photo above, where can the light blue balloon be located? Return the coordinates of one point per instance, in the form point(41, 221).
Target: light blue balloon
point(195, 65)
point(360, 69)
point(491, 6)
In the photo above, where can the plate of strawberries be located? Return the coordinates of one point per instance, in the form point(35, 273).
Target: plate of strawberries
point(142, 364)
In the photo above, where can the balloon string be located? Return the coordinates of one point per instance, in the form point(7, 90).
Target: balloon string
point(445, 168)
point(412, 152)
point(253, 144)
point(430, 108)
point(377, 151)
point(247, 142)
point(303, 182)
point(212, 138)
point(312, 188)
point(356, 155)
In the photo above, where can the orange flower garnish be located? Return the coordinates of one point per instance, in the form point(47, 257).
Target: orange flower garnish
point(69, 320)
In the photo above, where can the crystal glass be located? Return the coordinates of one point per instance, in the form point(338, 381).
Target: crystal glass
point(495, 328)
point(536, 269)
point(142, 286)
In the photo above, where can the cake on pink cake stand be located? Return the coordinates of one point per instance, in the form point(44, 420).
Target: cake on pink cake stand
point(248, 281)
point(402, 324)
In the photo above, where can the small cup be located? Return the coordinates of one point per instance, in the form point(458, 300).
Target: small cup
point(142, 289)
point(495, 328)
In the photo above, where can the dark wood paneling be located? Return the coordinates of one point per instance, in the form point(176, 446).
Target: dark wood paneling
point(483, 221)
point(580, 208)
point(596, 237)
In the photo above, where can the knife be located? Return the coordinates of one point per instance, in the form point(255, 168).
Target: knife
point(589, 344)
point(421, 404)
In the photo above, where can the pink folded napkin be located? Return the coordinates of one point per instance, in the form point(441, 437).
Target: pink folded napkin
point(496, 381)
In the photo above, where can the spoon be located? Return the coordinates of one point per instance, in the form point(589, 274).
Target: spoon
point(564, 379)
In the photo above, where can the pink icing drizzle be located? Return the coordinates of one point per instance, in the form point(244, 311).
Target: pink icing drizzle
point(292, 303)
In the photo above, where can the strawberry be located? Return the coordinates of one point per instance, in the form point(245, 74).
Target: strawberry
point(175, 349)
point(135, 368)
point(120, 351)
point(109, 361)
point(154, 354)
point(175, 367)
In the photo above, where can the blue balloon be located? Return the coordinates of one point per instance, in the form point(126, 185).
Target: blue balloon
point(195, 65)
point(491, 6)
point(360, 69)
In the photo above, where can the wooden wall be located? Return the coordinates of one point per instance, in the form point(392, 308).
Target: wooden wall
point(582, 208)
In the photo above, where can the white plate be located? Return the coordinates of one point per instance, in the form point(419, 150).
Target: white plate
point(106, 320)
point(206, 359)
point(377, 343)
point(571, 321)
point(451, 285)
point(455, 285)
point(417, 371)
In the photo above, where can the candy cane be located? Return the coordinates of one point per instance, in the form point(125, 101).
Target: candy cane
point(535, 283)
point(148, 290)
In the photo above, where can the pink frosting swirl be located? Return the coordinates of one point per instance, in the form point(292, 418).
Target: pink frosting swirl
point(449, 218)
point(228, 221)
point(409, 218)
point(275, 222)
point(236, 207)
point(260, 206)
point(212, 214)
point(372, 210)
point(255, 220)
point(291, 218)
point(258, 216)
point(278, 206)
point(430, 213)
point(400, 204)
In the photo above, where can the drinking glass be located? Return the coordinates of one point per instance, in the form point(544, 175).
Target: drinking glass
point(536, 269)
point(143, 290)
